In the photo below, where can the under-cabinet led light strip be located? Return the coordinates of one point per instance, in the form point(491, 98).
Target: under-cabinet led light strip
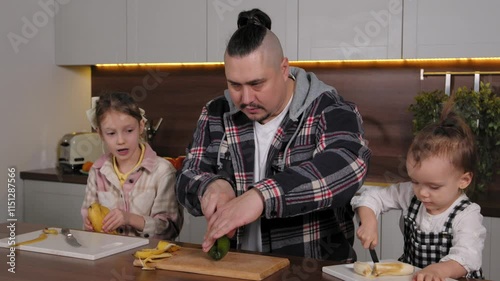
point(377, 62)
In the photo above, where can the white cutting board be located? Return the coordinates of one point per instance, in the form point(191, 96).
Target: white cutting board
point(346, 272)
point(94, 245)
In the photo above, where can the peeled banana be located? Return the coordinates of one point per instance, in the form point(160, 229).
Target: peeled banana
point(96, 214)
point(383, 269)
point(363, 268)
point(163, 250)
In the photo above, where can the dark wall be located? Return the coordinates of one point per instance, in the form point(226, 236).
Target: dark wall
point(382, 92)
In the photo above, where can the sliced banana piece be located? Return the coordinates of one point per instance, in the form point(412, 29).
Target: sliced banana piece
point(393, 268)
point(383, 269)
point(363, 268)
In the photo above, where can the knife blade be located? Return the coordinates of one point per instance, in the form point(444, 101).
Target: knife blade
point(70, 239)
point(375, 260)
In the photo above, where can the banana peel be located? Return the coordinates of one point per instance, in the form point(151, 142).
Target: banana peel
point(41, 237)
point(148, 256)
point(96, 214)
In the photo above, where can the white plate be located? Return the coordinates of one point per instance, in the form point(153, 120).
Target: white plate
point(346, 272)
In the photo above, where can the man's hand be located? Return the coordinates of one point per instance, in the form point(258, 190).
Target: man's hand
point(228, 217)
point(217, 194)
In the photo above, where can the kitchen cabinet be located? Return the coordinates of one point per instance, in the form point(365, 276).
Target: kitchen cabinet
point(130, 31)
point(54, 204)
point(339, 30)
point(166, 31)
point(451, 28)
point(491, 252)
point(90, 32)
point(134, 31)
point(193, 229)
point(223, 15)
point(391, 235)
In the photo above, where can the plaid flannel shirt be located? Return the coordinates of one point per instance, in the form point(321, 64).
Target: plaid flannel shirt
point(149, 191)
point(317, 161)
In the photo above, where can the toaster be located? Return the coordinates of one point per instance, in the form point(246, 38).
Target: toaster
point(77, 148)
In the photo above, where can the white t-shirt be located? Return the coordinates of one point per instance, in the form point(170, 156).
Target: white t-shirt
point(263, 137)
point(468, 230)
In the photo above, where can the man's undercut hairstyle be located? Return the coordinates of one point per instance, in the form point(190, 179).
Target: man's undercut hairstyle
point(252, 28)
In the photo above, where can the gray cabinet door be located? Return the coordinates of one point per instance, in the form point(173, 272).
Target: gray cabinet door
point(451, 29)
point(90, 32)
point(349, 30)
point(53, 204)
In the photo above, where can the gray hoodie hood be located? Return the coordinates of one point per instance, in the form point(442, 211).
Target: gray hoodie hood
point(307, 88)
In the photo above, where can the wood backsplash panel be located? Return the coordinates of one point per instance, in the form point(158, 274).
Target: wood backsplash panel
point(175, 94)
point(382, 97)
point(178, 93)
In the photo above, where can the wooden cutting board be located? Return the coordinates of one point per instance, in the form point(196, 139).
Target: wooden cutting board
point(234, 265)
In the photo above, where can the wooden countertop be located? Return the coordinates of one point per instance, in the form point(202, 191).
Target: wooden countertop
point(382, 172)
point(54, 174)
point(119, 267)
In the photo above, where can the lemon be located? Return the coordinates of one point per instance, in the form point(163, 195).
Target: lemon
point(219, 248)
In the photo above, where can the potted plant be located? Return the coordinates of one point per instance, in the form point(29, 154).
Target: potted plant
point(481, 111)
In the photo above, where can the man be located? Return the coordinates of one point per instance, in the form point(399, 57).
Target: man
point(277, 158)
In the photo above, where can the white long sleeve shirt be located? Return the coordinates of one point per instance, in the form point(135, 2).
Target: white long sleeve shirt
point(468, 230)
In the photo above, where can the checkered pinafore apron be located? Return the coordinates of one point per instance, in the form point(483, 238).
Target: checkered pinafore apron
point(424, 248)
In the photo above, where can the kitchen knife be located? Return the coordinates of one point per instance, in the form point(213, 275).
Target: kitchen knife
point(373, 254)
point(70, 239)
point(375, 260)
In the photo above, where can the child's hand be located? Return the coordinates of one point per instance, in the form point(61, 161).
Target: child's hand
point(87, 225)
point(367, 232)
point(368, 235)
point(428, 274)
point(440, 271)
point(114, 219)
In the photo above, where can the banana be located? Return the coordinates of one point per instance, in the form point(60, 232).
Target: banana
point(41, 237)
point(383, 269)
point(363, 268)
point(393, 268)
point(50, 231)
point(96, 214)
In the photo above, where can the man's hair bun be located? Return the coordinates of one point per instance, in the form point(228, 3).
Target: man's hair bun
point(255, 17)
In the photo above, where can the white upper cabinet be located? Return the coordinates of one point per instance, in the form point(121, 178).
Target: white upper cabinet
point(356, 29)
point(451, 28)
point(90, 32)
point(223, 15)
point(166, 31)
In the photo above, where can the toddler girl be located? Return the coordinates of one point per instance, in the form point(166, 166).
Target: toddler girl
point(131, 180)
point(443, 230)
